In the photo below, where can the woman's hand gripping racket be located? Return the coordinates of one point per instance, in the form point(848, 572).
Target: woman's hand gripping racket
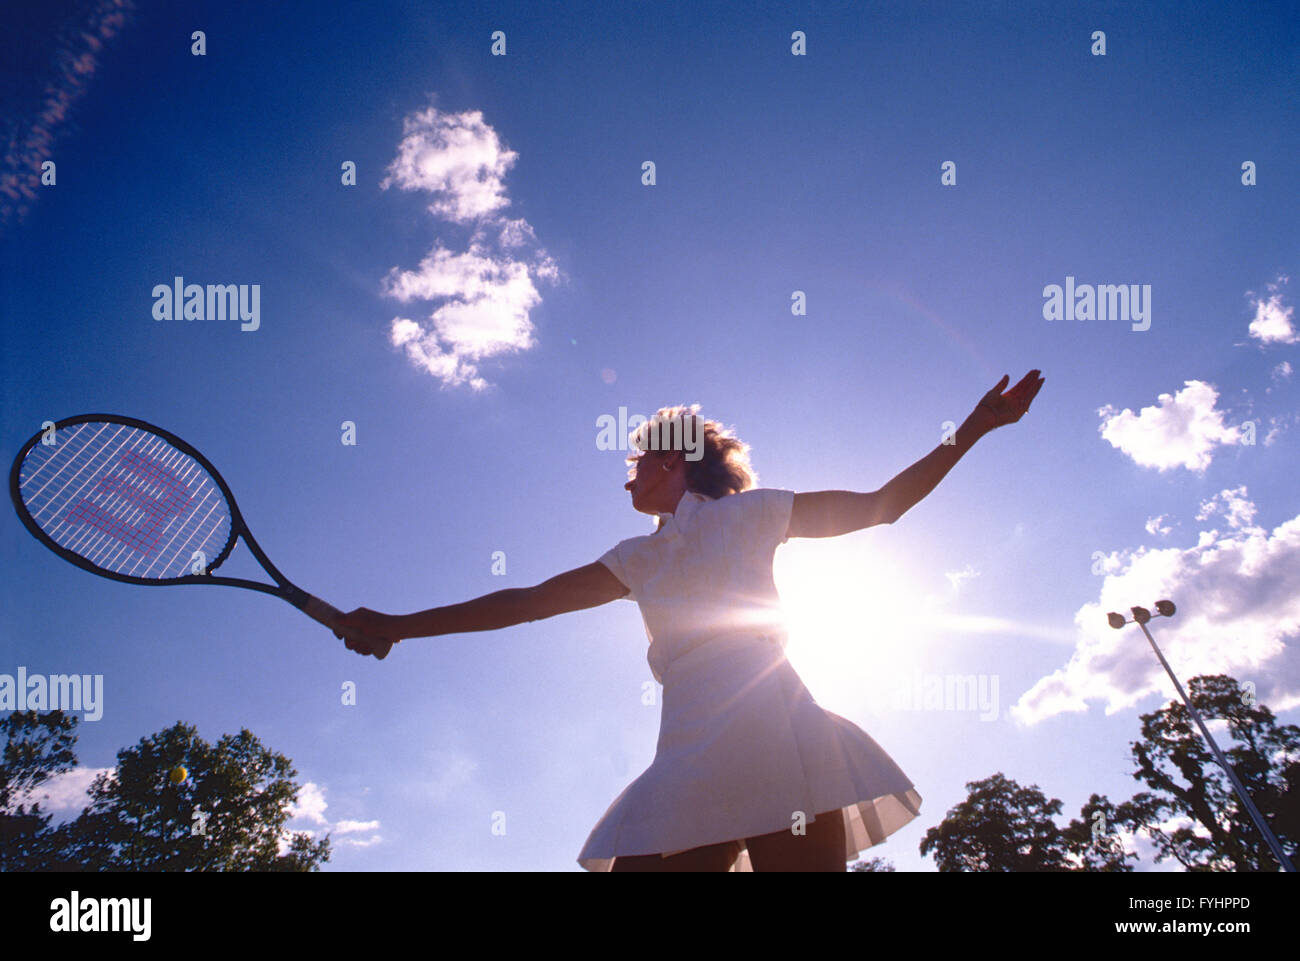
point(127, 500)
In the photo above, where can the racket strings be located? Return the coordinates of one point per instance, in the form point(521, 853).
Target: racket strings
point(145, 514)
point(123, 513)
point(125, 500)
point(131, 516)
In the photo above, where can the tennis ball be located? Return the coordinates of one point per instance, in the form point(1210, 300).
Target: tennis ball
point(179, 774)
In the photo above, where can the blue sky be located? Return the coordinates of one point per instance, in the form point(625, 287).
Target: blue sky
point(500, 277)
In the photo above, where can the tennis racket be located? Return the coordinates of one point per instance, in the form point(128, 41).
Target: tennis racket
point(132, 502)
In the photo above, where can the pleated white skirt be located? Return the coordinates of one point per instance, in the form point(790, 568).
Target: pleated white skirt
point(743, 747)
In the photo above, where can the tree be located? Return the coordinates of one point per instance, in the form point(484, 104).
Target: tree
point(36, 747)
point(227, 814)
point(1003, 827)
point(1093, 841)
point(872, 864)
point(1177, 763)
point(999, 827)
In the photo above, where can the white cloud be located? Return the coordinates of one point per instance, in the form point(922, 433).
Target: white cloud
point(1156, 525)
point(483, 296)
point(456, 157)
point(1180, 432)
point(1238, 599)
point(1146, 848)
point(1272, 323)
point(1238, 510)
point(361, 842)
point(310, 805)
point(66, 794)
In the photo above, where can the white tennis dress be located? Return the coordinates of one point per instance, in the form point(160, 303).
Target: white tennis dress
point(742, 744)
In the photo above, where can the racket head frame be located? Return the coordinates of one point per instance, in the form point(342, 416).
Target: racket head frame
point(315, 608)
point(238, 528)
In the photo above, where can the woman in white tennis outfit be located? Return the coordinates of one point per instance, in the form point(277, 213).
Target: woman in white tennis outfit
point(750, 773)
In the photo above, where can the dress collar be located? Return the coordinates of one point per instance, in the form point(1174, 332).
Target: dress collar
point(687, 506)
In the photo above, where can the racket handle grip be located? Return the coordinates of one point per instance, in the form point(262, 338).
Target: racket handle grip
point(329, 615)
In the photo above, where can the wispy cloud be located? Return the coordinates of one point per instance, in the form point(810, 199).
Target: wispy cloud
point(30, 136)
point(360, 842)
point(1182, 430)
point(356, 827)
point(482, 296)
point(1278, 426)
point(957, 578)
point(1238, 599)
point(454, 772)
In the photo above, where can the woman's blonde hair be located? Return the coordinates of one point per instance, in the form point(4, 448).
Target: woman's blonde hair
point(723, 465)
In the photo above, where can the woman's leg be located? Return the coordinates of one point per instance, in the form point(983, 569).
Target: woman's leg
point(711, 857)
point(821, 849)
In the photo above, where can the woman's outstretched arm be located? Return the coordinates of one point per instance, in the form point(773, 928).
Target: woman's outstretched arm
point(831, 513)
point(575, 590)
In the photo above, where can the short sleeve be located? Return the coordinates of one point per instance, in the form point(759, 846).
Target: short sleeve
point(614, 562)
point(771, 514)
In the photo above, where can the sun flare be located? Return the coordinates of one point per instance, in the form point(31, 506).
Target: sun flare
point(856, 621)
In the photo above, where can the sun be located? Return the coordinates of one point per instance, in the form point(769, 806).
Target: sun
point(856, 619)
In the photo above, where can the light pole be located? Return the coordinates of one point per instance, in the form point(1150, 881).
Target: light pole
point(1166, 609)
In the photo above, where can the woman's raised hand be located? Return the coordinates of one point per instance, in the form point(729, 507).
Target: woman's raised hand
point(997, 409)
